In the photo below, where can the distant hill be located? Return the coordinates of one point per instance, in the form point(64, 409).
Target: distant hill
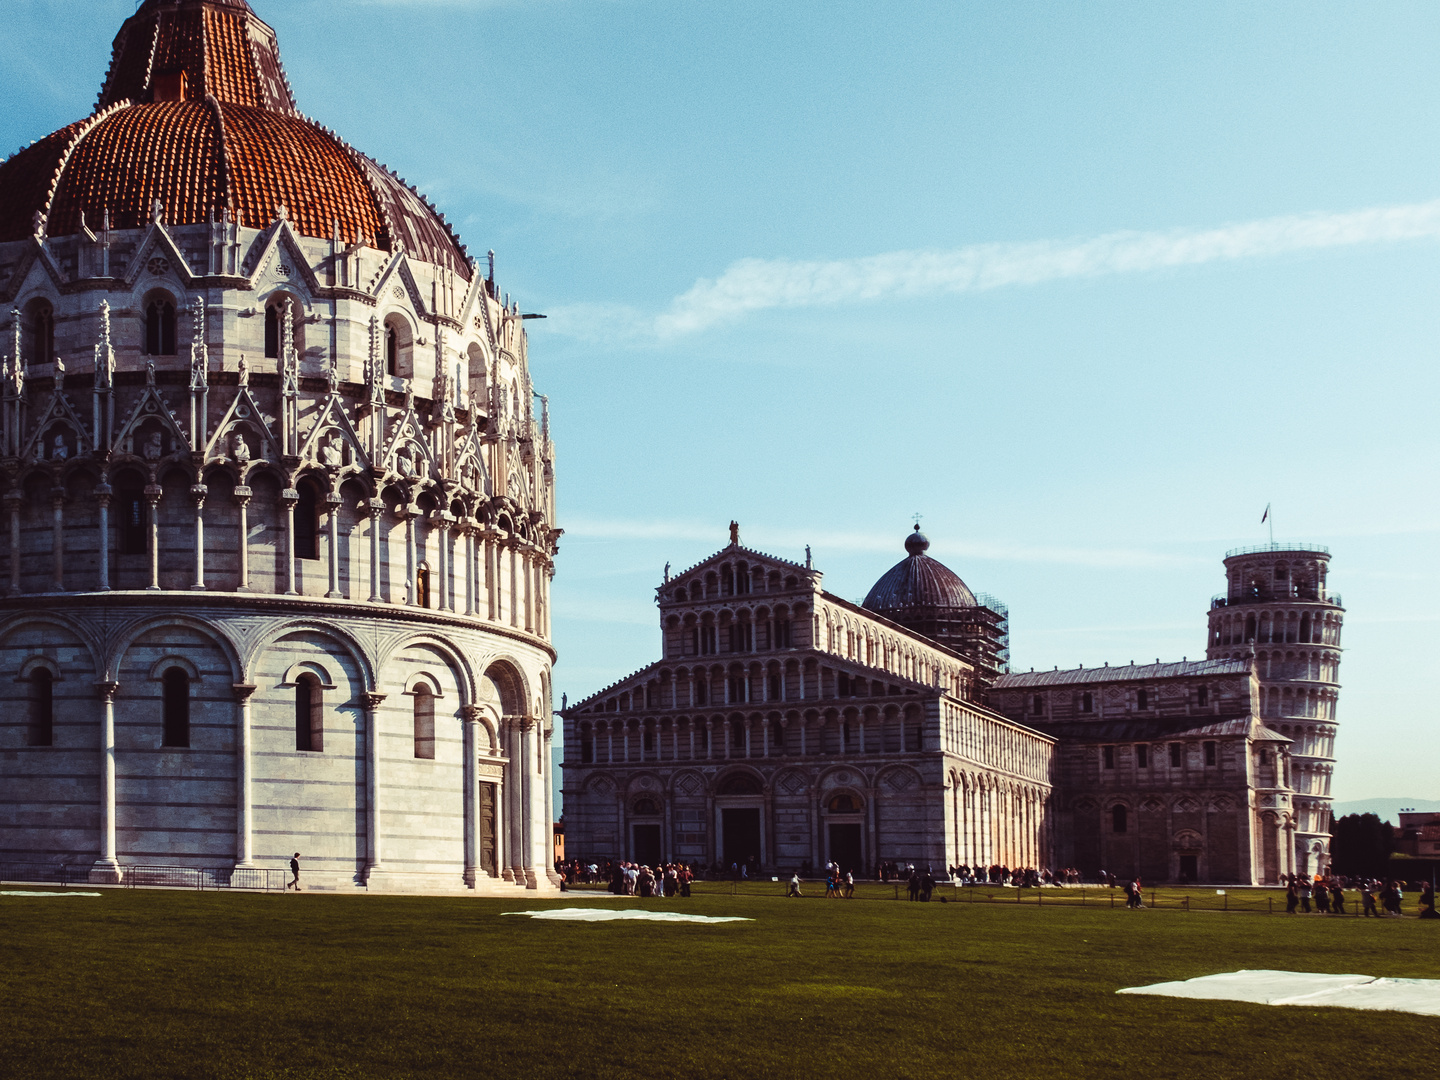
point(1385, 809)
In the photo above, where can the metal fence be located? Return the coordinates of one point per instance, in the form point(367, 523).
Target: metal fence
point(259, 879)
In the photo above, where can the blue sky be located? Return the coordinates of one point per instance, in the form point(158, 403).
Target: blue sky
point(1087, 285)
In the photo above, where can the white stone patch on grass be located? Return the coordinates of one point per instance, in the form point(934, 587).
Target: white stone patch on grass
point(4, 892)
point(580, 914)
point(1306, 988)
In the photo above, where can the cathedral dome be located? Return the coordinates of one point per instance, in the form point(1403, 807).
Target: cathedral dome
point(918, 581)
point(196, 117)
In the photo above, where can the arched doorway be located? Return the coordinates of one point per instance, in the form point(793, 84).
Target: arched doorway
point(740, 806)
point(844, 814)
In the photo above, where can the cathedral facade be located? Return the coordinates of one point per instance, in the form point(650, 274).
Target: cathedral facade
point(279, 511)
point(787, 726)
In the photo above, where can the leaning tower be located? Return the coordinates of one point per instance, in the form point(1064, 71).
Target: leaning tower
point(1278, 609)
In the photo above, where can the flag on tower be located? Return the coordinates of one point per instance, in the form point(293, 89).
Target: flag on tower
point(1266, 514)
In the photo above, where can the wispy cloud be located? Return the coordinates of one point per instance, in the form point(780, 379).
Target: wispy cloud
point(787, 543)
point(752, 285)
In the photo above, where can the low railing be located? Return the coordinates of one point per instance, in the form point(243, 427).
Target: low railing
point(1267, 597)
point(44, 873)
point(261, 879)
point(1274, 545)
point(190, 877)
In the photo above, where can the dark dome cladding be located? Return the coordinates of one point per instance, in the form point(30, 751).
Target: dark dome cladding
point(224, 136)
point(919, 582)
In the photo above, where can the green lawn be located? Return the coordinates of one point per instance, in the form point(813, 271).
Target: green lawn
point(176, 984)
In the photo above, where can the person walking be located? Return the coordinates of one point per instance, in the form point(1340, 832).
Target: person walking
point(294, 882)
point(794, 885)
point(1367, 900)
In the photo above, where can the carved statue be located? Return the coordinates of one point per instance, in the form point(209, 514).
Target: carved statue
point(330, 453)
point(239, 448)
point(154, 448)
point(61, 451)
point(735, 533)
point(405, 466)
point(244, 371)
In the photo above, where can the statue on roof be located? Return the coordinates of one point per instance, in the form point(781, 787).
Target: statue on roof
point(734, 534)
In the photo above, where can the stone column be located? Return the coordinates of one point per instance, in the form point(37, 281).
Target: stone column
point(107, 867)
point(467, 540)
point(332, 502)
point(528, 824)
point(372, 702)
point(57, 538)
point(376, 507)
point(102, 496)
point(290, 497)
point(242, 542)
point(198, 493)
point(244, 776)
point(412, 567)
point(12, 502)
point(469, 723)
point(152, 496)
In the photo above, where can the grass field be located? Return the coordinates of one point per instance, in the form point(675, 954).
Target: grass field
point(175, 984)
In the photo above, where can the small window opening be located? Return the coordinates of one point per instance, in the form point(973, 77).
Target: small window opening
point(1202, 696)
point(1087, 702)
point(272, 332)
point(1118, 818)
point(307, 524)
point(1037, 705)
point(392, 351)
point(843, 804)
point(1142, 756)
point(424, 723)
point(160, 328)
point(309, 714)
point(175, 684)
point(42, 708)
point(1209, 753)
point(1176, 755)
point(1109, 753)
point(1142, 700)
point(422, 587)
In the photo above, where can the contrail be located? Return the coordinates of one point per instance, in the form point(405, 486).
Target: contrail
point(751, 285)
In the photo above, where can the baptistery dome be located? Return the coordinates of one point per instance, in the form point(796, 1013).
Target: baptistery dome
point(196, 123)
point(279, 508)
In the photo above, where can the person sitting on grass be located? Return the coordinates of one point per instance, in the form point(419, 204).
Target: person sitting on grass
point(794, 885)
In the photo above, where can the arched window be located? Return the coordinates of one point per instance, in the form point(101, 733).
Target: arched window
point(646, 807)
point(843, 804)
point(39, 332)
point(160, 328)
point(307, 523)
point(42, 708)
point(424, 722)
point(422, 587)
point(272, 332)
point(737, 735)
point(309, 714)
point(175, 685)
point(1118, 818)
point(777, 735)
point(392, 351)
